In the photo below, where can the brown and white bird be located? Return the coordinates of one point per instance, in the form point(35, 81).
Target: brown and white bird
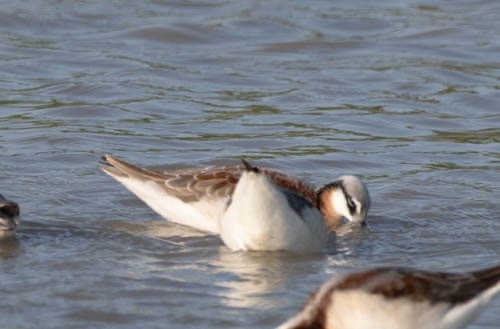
point(201, 193)
point(398, 298)
point(9, 217)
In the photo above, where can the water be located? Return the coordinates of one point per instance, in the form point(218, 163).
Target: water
point(404, 94)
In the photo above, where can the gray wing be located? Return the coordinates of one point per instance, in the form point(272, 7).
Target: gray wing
point(188, 185)
point(194, 184)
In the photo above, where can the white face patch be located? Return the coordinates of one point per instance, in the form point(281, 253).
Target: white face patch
point(340, 204)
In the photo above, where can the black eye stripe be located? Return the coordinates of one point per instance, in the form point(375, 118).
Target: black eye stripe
point(350, 204)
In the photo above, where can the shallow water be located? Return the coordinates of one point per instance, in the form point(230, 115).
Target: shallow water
point(403, 94)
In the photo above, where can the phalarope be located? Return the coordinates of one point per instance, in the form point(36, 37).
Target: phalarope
point(398, 298)
point(197, 197)
point(9, 217)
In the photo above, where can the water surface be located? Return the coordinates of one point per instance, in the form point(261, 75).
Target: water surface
point(404, 94)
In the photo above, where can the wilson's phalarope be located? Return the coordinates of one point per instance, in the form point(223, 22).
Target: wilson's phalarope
point(9, 217)
point(196, 197)
point(398, 298)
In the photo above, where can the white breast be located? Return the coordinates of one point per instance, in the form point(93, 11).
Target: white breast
point(260, 218)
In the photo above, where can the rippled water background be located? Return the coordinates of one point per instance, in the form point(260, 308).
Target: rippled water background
point(403, 93)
